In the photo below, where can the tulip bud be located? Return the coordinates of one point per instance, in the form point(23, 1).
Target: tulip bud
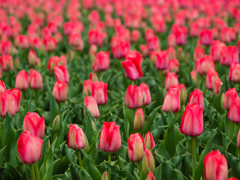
point(7, 104)
point(150, 176)
point(198, 53)
point(183, 93)
point(29, 148)
point(139, 120)
point(192, 120)
point(105, 176)
point(149, 141)
point(101, 61)
point(133, 97)
point(93, 77)
point(50, 43)
point(233, 113)
point(173, 65)
point(32, 58)
point(228, 97)
point(136, 147)
point(22, 80)
point(35, 79)
point(2, 87)
point(206, 37)
point(197, 96)
point(217, 86)
point(16, 93)
point(99, 92)
point(171, 79)
point(60, 91)
point(92, 106)
point(238, 140)
point(76, 137)
point(34, 124)
point(204, 64)
point(234, 75)
point(215, 166)
point(61, 73)
point(148, 163)
point(211, 76)
point(171, 53)
point(172, 100)
point(56, 124)
point(161, 61)
point(110, 137)
point(132, 68)
point(6, 62)
point(194, 77)
point(86, 148)
point(146, 93)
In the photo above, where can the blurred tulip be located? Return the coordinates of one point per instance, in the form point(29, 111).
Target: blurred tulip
point(93, 77)
point(34, 124)
point(35, 79)
point(16, 93)
point(204, 64)
point(56, 61)
point(5, 47)
point(33, 60)
point(228, 97)
point(87, 87)
point(234, 73)
point(92, 106)
point(215, 50)
point(139, 120)
point(233, 178)
point(21, 81)
point(144, 49)
point(161, 60)
point(56, 125)
point(7, 104)
point(149, 141)
point(61, 73)
point(135, 35)
point(99, 92)
point(153, 44)
point(172, 100)
point(101, 61)
point(180, 36)
point(76, 137)
point(174, 65)
point(105, 176)
point(182, 93)
point(134, 55)
point(50, 43)
point(150, 176)
point(206, 37)
point(22, 42)
point(146, 94)
point(148, 163)
point(171, 79)
point(215, 166)
point(75, 40)
point(211, 76)
point(198, 53)
point(229, 55)
point(149, 33)
point(60, 91)
point(172, 40)
point(238, 140)
point(120, 49)
point(136, 147)
point(192, 120)
point(133, 97)
point(29, 148)
point(171, 53)
point(110, 137)
point(234, 111)
point(217, 86)
point(194, 77)
point(6, 62)
point(2, 87)
point(197, 96)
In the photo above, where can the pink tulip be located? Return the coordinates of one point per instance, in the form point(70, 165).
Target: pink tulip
point(153, 44)
point(146, 94)
point(215, 166)
point(133, 97)
point(93, 77)
point(192, 120)
point(198, 53)
point(56, 61)
point(33, 60)
point(92, 106)
point(211, 76)
point(194, 77)
point(99, 92)
point(5, 47)
point(101, 61)
point(148, 163)
point(234, 111)
point(6, 62)
point(217, 86)
point(197, 96)
point(229, 97)
point(234, 73)
point(238, 140)
point(61, 73)
point(16, 93)
point(50, 43)
point(87, 87)
point(150, 176)
point(229, 55)
point(76, 137)
point(149, 141)
point(161, 60)
point(206, 37)
point(135, 35)
point(171, 79)
point(22, 80)
point(136, 147)
point(110, 138)
point(29, 148)
point(21, 41)
point(173, 65)
point(139, 120)
point(60, 91)
point(35, 79)
point(134, 55)
point(171, 53)
point(34, 124)
point(204, 64)
point(7, 104)
point(180, 35)
point(172, 100)
point(215, 50)
point(2, 87)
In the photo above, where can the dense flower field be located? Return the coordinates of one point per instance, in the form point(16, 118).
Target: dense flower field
point(119, 89)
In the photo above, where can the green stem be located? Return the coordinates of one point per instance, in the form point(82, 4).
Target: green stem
point(37, 171)
point(109, 160)
point(231, 129)
point(139, 168)
point(161, 79)
point(32, 172)
point(79, 158)
point(193, 155)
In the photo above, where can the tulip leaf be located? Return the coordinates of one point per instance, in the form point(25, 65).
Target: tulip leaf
point(54, 109)
point(88, 126)
point(234, 164)
point(9, 172)
point(49, 170)
point(128, 121)
point(158, 172)
point(170, 173)
point(79, 173)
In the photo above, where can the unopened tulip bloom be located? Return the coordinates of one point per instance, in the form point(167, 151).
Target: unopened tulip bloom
point(171, 79)
point(211, 76)
point(105, 176)
point(194, 77)
point(22, 80)
point(92, 106)
point(182, 93)
point(22, 42)
point(204, 64)
point(153, 44)
point(146, 94)
point(215, 50)
point(6, 62)
point(136, 147)
point(76, 137)
point(206, 37)
point(172, 100)
point(217, 86)
point(29, 148)
point(229, 55)
point(234, 111)
point(33, 60)
point(16, 93)
point(93, 77)
point(101, 61)
point(2, 87)
point(192, 120)
point(171, 53)
point(110, 137)
point(34, 124)
point(150, 176)
point(198, 53)
point(134, 55)
point(149, 141)
point(132, 68)
point(180, 35)
point(87, 87)
point(197, 96)
point(139, 120)
point(161, 60)
point(215, 166)
point(75, 40)
point(133, 97)
point(148, 163)
point(135, 35)
point(173, 65)
point(99, 92)
point(234, 73)
point(7, 104)
point(35, 79)
point(60, 91)
point(50, 43)
point(56, 61)
point(61, 73)
point(229, 97)
point(143, 49)
point(238, 140)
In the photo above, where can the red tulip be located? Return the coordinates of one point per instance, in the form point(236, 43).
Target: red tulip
point(61, 73)
point(149, 141)
point(92, 106)
point(173, 65)
point(180, 35)
point(150, 176)
point(206, 37)
point(76, 137)
point(215, 166)
point(2, 87)
point(234, 111)
point(50, 43)
point(6, 62)
point(153, 44)
point(229, 55)
point(99, 92)
point(135, 35)
point(136, 147)
point(34, 124)
point(197, 96)
point(146, 94)
point(21, 41)
point(35, 79)
point(171, 79)
point(217, 86)
point(204, 64)
point(60, 91)
point(7, 104)
point(194, 77)
point(198, 53)
point(161, 60)
point(16, 93)
point(110, 138)
point(172, 100)
point(75, 40)
point(87, 87)
point(229, 97)
point(215, 50)
point(120, 49)
point(211, 76)
point(192, 120)
point(134, 55)
point(33, 60)
point(133, 97)
point(5, 47)
point(139, 120)
point(21, 81)
point(101, 61)
point(234, 75)
point(56, 61)
point(238, 140)
point(29, 148)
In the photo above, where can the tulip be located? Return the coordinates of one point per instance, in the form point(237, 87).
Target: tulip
point(149, 33)
point(35, 79)
point(206, 37)
point(60, 91)
point(132, 68)
point(2, 87)
point(204, 64)
point(6, 62)
point(238, 139)
point(146, 94)
point(171, 79)
point(105, 176)
point(153, 44)
point(101, 61)
point(5, 47)
point(174, 65)
point(215, 50)
point(172, 40)
point(229, 55)
point(76, 137)
point(133, 97)
point(16, 93)
point(56, 124)
point(161, 61)
point(149, 141)
point(150, 176)
point(139, 120)
point(50, 43)
point(135, 35)
point(87, 87)
point(34, 124)
point(228, 97)
point(180, 36)
point(171, 53)
point(234, 73)
point(7, 104)
point(143, 49)
point(215, 166)
point(110, 137)
point(197, 96)
point(234, 111)
point(75, 40)
point(61, 73)
point(99, 92)
point(93, 77)
point(198, 53)
point(217, 86)
point(32, 58)
point(29, 148)
point(172, 100)
point(233, 178)
point(56, 61)
point(120, 49)
point(211, 76)
point(92, 106)
point(21, 41)
point(136, 147)
point(182, 93)
point(22, 80)
point(134, 55)
point(148, 163)
point(194, 77)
